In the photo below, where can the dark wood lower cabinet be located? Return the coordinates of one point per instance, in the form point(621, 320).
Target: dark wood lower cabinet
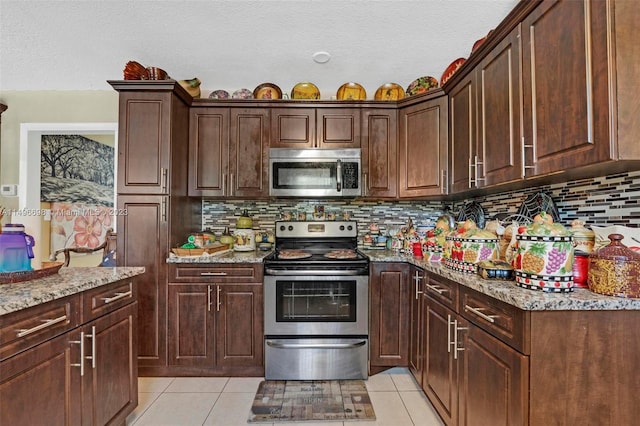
point(84, 376)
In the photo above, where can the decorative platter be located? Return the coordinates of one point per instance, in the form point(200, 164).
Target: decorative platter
point(422, 85)
point(351, 92)
point(19, 276)
point(219, 94)
point(451, 69)
point(389, 92)
point(242, 94)
point(479, 42)
point(267, 91)
point(473, 211)
point(305, 90)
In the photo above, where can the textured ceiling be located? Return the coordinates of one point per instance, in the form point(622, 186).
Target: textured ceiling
point(233, 44)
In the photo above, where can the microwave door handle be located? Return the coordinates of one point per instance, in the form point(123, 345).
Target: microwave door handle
point(339, 176)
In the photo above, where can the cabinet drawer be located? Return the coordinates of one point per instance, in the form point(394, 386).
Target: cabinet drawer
point(443, 290)
point(101, 300)
point(29, 327)
point(504, 321)
point(216, 273)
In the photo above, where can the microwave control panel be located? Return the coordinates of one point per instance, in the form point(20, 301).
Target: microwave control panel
point(350, 175)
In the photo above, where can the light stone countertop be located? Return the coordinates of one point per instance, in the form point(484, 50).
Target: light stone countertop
point(223, 257)
point(68, 281)
point(508, 292)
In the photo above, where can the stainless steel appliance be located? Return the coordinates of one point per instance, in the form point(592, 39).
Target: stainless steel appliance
point(316, 296)
point(314, 172)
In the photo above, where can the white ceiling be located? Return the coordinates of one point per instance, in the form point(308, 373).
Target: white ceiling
point(233, 44)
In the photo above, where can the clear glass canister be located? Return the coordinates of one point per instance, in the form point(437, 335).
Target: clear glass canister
point(614, 270)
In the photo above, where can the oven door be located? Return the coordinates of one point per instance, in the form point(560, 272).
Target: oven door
point(307, 305)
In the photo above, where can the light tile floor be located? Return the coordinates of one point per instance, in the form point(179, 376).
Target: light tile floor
point(222, 401)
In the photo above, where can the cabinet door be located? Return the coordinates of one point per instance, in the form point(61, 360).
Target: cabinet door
point(249, 153)
point(209, 152)
point(144, 135)
point(191, 330)
point(493, 380)
point(418, 278)
point(423, 148)
point(293, 127)
point(565, 85)
point(338, 128)
point(41, 386)
point(440, 374)
point(239, 325)
point(110, 382)
point(462, 125)
point(143, 241)
point(380, 153)
point(389, 293)
point(499, 106)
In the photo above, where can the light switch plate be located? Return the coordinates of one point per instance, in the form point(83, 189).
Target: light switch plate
point(9, 190)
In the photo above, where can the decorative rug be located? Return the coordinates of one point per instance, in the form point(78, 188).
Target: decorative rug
point(318, 400)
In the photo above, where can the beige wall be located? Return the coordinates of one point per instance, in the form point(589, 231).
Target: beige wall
point(91, 106)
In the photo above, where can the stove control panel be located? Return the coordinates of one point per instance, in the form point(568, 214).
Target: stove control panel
point(312, 229)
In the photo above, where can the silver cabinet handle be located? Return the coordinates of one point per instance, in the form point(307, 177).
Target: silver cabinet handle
point(163, 209)
point(476, 162)
point(478, 312)
point(163, 179)
point(81, 343)
point(218, 301)
point(524, 158)
point(471, 182)
point(444, 184)
point(231, 188)
point(365, 183)
point(118, 296)
point(449, 341)
point(209, 298)
point(213, 274)
point(456, 349)
point(279, 345)
point(93, 357)
point(45, 323)
point(437, 289)
point(416, 279)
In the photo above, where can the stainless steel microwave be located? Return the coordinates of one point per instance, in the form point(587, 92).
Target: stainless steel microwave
point(315, 172)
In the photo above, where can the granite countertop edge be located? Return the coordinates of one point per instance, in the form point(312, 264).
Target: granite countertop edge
point(581, 299)
point(67, 282)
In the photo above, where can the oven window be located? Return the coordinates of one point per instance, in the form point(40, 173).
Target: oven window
point(315, 301)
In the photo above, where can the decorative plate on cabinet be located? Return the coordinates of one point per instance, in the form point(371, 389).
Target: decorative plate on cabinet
point(219, 94)
point(539, 202)
point(389, 92)
point(422, 85)
point(242, 94)
point(305, 90)
point(267, 91)
point(451, 69)
point(351, 92)
point(474, 211)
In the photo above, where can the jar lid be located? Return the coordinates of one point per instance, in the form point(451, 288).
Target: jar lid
point(615, 250)
point(580, 231)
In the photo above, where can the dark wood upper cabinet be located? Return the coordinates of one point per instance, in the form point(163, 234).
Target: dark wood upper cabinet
point(565, 84)
point(249, 153)
point(499, 125)
point(315, 128)
point(462, 128)
point(380, 153)
point(423, 149)
point(208, 151)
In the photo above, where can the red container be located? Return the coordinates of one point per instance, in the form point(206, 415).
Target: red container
point(417, 249)
point(580, 270)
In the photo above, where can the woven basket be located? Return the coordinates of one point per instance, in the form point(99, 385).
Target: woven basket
point(18, 276)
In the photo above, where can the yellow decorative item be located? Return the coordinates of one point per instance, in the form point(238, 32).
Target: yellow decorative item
point(192, 86)
point(351, 92)
point(305, 90)
point(389, 92)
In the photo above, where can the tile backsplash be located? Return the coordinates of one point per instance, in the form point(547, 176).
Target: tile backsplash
point(607, 200)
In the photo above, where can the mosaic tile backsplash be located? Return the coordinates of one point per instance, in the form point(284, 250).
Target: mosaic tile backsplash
point(602, 201)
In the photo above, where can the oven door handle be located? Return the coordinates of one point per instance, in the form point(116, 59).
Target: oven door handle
point(305, 272)
point(280, 345)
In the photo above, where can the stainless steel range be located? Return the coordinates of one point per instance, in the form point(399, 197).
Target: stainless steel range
point(316, 295)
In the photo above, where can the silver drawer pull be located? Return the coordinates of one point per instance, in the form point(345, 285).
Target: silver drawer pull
point(45, 323)
point(213, 274)
point(477, 311)
point(118, 296)
point(82, 357)
point(437, 289)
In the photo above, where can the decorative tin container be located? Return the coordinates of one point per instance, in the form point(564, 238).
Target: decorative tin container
point(614, 270)
point(544, 262)
point(584, 239)
point(466, 252)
